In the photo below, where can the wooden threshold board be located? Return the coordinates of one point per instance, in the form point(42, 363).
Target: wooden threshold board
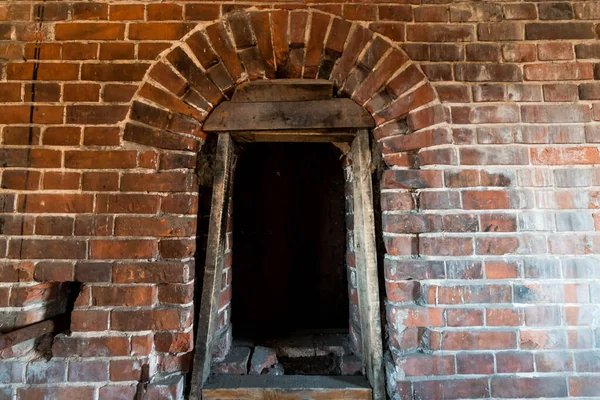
point(286, 387)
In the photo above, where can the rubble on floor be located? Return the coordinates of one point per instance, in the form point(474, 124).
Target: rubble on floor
point(328, 355)
point(262, 359)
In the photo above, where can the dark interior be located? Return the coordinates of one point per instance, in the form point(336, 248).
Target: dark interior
point(289, 241)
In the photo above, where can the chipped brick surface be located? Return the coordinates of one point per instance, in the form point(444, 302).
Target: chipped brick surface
point(488, 120)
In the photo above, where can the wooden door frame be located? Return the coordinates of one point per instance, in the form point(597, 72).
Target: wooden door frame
point(352, 130)
point(365, 250)
point(213, 267)
point(366, 263)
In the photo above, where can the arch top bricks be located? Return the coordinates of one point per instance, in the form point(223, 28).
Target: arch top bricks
point(185, 84)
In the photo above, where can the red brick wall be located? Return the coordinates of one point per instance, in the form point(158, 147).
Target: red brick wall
point(487, 123)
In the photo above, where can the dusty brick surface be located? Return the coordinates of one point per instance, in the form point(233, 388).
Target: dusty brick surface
point(488, 121)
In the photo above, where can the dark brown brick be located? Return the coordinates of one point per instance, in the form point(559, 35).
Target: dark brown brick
point(554, 11)
point(559, 30)
point(81, 92)
point(157, 138)
point(96, 115)
point(100, 159)
point(90, 31)
point(114, 72)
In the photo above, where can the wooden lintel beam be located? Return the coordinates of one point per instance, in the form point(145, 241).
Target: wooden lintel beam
point(294, 136)
point(317, 114)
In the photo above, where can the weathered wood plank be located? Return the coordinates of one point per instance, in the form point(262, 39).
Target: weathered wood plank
point(283, 90)
point(213, 269)
point(294, 136)
point(366, 264)
point(287, 387)
point(281, 394)
point(316, 114)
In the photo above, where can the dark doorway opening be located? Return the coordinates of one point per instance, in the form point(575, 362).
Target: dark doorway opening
point(289, 241)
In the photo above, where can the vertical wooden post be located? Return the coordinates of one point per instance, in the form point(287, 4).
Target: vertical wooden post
point(213, 268)
point(366, 264)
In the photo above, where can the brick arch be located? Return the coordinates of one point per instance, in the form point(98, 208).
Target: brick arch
point(189, 80)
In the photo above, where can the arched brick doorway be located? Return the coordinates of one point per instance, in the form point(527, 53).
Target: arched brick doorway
point(190, 80)
point(301, 112)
